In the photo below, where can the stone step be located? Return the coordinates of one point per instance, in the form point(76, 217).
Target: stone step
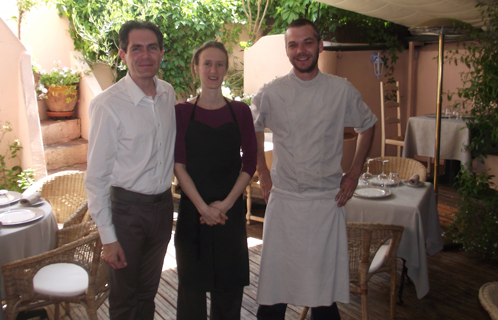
point(56, 131)
point(64, 154)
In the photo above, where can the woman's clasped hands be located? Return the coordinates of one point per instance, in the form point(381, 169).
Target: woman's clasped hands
point(213, 215)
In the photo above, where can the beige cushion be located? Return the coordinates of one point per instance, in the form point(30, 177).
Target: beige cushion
point(379, 258)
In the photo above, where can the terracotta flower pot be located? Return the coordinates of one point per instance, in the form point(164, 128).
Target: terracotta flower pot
point(61, 98)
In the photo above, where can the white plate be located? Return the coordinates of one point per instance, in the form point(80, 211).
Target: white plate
point(371, 192)
point(12, 197)
point(20, 216)
point(420, 184)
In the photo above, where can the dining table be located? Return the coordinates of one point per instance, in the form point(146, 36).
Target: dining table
point(413, 207)
point(22, 239)
point(420, 138)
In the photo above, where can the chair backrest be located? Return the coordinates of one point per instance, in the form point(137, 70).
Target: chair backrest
point(390, 111)
point(75, 232)
point(406, 167)
point(488, 295)
point(79, 216)
point(364, 240)
point(65, 191)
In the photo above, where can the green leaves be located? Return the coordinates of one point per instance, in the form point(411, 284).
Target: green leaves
point(13, 179)
point(475, 222)
point(186, 25)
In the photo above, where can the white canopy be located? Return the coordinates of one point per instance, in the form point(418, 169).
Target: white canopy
point(412, 12)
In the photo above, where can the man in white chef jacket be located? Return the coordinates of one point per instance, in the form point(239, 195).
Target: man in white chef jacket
point(305, 256)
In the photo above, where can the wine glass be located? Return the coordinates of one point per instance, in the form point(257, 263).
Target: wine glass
point(394, 179)
point(383, 177)
point(366, 176)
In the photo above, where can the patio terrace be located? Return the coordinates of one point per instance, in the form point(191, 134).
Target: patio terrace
point(455, 278)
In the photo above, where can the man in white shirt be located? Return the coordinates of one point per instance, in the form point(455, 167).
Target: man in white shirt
point(130, 168)
point(304, 259)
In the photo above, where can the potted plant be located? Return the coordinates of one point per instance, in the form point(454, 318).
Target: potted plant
point(59, 88)
point(476, 221)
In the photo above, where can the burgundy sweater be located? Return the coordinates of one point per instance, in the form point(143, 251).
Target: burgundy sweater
point(216, 118)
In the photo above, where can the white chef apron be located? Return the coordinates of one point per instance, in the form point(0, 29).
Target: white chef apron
point(304, 259)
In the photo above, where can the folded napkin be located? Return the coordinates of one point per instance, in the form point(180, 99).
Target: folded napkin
point(414, 180)
point(32, 198)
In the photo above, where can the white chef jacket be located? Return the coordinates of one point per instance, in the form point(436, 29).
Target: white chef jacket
point(305, 255)
point(131, 145)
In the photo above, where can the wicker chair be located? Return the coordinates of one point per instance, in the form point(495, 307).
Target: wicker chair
point(80, 246)
point(406, 167)
point(65, 191)
point(79, 216)
point(488, 295)
point(372, 249)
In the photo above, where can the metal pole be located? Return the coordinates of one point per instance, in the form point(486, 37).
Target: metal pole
point(438, 113)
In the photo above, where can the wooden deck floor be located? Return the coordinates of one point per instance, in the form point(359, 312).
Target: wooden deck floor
point(455, 278)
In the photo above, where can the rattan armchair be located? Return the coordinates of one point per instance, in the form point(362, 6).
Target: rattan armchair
point(28, 286)
point(79, 216)
point(372, 249)
point(65, 191)
point(406, 167)
point(488, 295)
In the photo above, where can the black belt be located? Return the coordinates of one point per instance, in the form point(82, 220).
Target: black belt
point(139, 197)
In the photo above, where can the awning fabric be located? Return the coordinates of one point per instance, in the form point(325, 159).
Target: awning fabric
point(412, 12)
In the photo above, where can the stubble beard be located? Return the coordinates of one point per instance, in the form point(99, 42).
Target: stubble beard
point(310, 68)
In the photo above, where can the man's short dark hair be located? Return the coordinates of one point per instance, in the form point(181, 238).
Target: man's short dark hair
point(301, 22)
point(128, 26)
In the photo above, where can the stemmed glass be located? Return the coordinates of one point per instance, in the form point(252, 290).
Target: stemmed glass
point(382, 176)
point(394, 179)
point(366, 176)
point(5, 194)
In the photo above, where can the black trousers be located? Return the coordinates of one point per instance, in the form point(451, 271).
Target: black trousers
point(277, 312)
point(225, 305)
point(143, 226)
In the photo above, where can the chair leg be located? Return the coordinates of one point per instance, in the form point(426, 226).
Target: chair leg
point(249, 203)
point(304, 313)
point(67, 308)
point(364, 306)
point(92, 314)
point(393, 291)
point(402, 283)
point(57, 315)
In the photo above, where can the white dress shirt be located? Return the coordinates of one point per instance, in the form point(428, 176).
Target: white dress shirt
point(131, 145)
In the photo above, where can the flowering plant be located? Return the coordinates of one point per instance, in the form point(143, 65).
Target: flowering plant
point(227, 92)
point(57, 77)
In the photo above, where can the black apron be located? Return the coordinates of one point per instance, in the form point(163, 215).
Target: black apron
point(211, 258)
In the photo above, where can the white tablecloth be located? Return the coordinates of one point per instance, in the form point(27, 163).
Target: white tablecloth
point(420, 139)
point(26, 240)
point(416, 210)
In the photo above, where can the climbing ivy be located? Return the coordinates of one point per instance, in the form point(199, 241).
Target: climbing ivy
point(185, 24)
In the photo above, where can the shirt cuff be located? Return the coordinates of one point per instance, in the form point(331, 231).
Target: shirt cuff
point(108, 234)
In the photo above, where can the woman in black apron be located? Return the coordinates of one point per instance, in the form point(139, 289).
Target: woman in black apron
point(210, 236)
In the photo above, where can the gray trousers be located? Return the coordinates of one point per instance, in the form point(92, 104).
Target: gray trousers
point(143, 226)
